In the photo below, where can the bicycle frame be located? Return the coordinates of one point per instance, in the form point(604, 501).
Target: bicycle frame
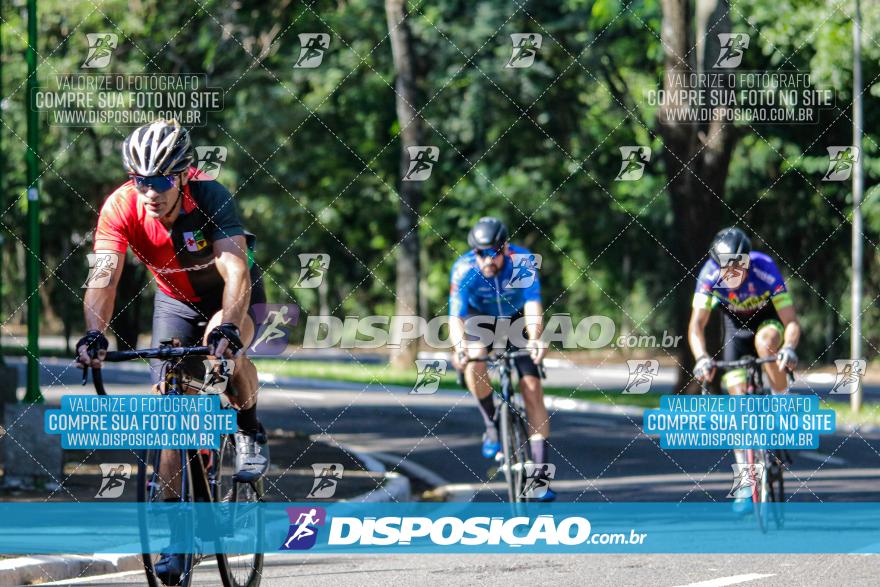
point(515, 448)
point(199, 469)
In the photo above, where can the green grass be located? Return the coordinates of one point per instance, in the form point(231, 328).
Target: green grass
point(386, 375)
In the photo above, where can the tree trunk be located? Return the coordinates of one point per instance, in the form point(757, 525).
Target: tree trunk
point(409, 192)
point(696, 156)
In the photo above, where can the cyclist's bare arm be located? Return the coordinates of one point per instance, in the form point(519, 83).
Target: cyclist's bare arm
point(98, 306)
point(534, 316)
point(232, 265)
point(792, 333)
point(456, 335)
point(697, 336)
point(697, 331)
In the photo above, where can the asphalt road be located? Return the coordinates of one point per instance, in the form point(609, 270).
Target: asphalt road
point(599, 457)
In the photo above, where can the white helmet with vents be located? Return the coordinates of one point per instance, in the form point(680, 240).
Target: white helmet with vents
point(159, 148)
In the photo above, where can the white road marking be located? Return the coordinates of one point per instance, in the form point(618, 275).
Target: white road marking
point(733, 580)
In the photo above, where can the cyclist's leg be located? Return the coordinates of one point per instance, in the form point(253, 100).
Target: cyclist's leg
point(533, 396)
point(738, 342)
point(768, 341)
point(171, 319)
point(476, 376)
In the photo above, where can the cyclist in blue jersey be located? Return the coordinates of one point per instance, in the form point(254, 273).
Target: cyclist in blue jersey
point(496, 279)
point(758, 312)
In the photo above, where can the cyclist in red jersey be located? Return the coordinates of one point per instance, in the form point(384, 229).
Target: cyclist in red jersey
point(185, 228)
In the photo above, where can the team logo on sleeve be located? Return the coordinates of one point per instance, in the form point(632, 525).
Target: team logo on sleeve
point(195, 241)
point(525, 270)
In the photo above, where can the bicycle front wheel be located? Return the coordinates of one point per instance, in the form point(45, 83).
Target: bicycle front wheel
point(160, 479)
point(243, 521)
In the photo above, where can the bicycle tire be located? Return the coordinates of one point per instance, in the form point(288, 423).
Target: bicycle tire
point(228, 490)
point(151, 490)
point(758, 491)
point(507, 447)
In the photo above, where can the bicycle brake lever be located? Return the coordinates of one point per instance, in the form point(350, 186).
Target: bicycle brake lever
point(461, 381)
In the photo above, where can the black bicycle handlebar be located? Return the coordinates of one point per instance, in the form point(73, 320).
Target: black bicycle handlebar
point(495, 358)
point(745, 362)
point(168, 352)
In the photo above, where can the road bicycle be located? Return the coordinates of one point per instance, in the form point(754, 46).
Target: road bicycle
point(511, 419)
point(766, 480)
point(206, 476)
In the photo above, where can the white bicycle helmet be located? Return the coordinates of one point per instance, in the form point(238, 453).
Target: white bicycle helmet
point(158, 148)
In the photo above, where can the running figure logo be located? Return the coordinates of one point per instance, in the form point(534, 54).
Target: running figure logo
point(538, 476)
point(101, 47)
point(218, 372)
point(430, 372)
point(734, 270)
point(421, 162)
point(114, 476)
point(849, 376)
point(304, 524)
point(733, 47)
point(525, 48)
point(312, 48)
point(275, 323)
point(525, 270)
point(641, 375)
point(209, 159)
point(101, 266)
point(841, 161)
point(633, 159)
point(327, 477)
point(745, 476)
point(313, 267)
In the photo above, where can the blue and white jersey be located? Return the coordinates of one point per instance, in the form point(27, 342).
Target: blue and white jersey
point(505, 294)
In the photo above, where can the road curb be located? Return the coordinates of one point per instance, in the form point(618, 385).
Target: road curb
point(30, 570)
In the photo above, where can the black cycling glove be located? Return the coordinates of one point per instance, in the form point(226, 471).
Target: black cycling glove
point(95, 341)
point(230, 332)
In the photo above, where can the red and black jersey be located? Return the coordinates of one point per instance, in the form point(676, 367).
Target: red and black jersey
point(181, 258)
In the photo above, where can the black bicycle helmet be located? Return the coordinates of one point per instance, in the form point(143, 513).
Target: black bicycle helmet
point(729, 241)
point(158, 148)
point(487, 232)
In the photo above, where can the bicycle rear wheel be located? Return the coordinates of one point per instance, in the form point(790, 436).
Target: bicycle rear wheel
point(244, 524)
point(154, 488)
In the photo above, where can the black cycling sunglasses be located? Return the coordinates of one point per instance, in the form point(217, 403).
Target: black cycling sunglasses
point(157, 183)
point(490, 252)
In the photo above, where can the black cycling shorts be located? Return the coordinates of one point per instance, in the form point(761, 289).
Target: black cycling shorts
point(186, 321)
point(524, 365)
point(738, 339)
